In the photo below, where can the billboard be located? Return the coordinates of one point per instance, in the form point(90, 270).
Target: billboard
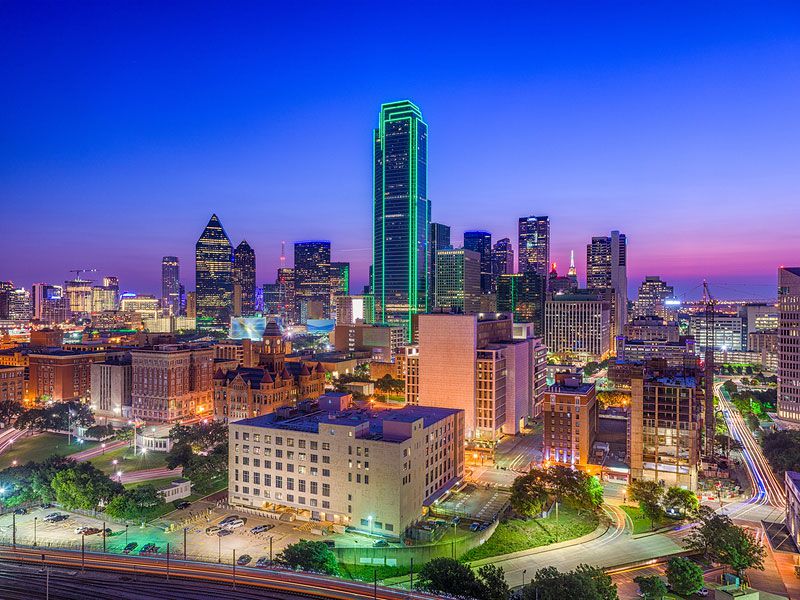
point(320, 325)
point(247, 328)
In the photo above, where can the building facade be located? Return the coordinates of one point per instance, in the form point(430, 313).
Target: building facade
point(458, 280)
point(439, 239)
point(578, 324)
point(244, 280)
point(214, 279)
point(789, 343)
point(607, 270)
point(480, 242)
point(569, 414)
point(112, 381)
point(534, 245)
point(12, 383)
point(171, 284)
point(61, 374)
point(312, 280)
point(652, 298)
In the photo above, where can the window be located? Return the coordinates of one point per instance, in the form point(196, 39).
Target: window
point(314, 445)
point(245, 460)
point(278, 481)
point(267, 480)
point(256, 461)
point(246, 436)
point(326, 446)
point(326, 472)
point(290, 455)
point(257, 437)
point(301, 443)
point(314, 487)
point(326, 489)
point(278, 453)
point(389, 527)
point(326, 460)
point(314, 458)
point(290, 442)
point(279, 441)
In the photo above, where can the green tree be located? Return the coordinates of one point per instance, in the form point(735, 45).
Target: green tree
point(705, 538)
point(309, 556)
point(648, 494)
point(83, 486)
point(528, 494)
point(494, 582)
point(10, 410)
point(684, 501)
point(448, 576)
point(782, 450)
point(685, 577)
point(585, 582)
point(136, 504)
point(652, 587)
point(738, 549)
point(730, 387)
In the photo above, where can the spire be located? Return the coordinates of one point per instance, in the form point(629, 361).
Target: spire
point(572, 272)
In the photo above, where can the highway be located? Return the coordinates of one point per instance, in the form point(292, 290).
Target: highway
point(282, 581)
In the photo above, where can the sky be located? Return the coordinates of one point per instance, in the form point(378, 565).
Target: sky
point(125, 125)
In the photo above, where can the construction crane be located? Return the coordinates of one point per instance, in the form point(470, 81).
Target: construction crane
point(79, 271)
point(709, 304)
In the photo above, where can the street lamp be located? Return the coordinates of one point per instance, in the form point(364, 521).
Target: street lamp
point(369, 518)
point(103, 446)
point(119, 476)
point(523, 576)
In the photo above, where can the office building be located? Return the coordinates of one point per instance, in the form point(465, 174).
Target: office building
point(49, 303)
point(534, 245)
point(791, 483)
point(481, 242)
point(560, 284)
point(288, 305)
point(651, 328)
point(171, 382)
point(502, 260)
point(789, 343)
point(171, 284)
point(402, 215)
point(105, 298)
point(664, 429)
point(607, 271)
point(523, 295)
point(355, 309)
point(373, 471)
point(19, 305)
point(727, 332)
point(652, 298)
point(79, 297)
point(312, 280)
point(59, 375)
point(270, 299)
point(145, 306)
point(12, 383)
point(5, 288)
point(458, 281)
point(244, 280)
point(191, 305)
point(578, 324)
point(439, 239)
point(111, 387)
point(381, 341)
point(569, 414)
point(214, 279)
point(680, 354)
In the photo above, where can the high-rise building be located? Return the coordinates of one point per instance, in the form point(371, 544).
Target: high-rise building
point(481, 242)
point(439, 239)
point(788, 347)
point(214, 279)
point(312, 280)
point(49, 303)
point(401, 213)
point(579, 324)
point(340, 284)
point(534, 245)
point(19, 305)
point(5, 288)
point(271, 299)
point(651, 301)
point(523, 295)
point(572, 273)
point(728, 332)
point(104, 297)
point(458, 281)
point(244, 280)
point(171, 284)
point(569, 413)
point(79, 296)
point(355, 309)
point(191, 305)
point(111, 388)
point(606, 269)
point(502, 260)
point(288, 307)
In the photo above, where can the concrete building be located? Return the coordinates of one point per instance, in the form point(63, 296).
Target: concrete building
point(791, 480)
point(439, 239)
point(664, 429)
point(788, 344)
point(728, 332)
point(382, 341)
point(12, 383)
point(480, 364)
point(570, 421)
point(652, 298)
point(172, 382)
point(677, 354)
point(355, 309)
point(459, 280)
point(112, 382)
point(534, 245)
point(651, 328)
point(579, 324)
point(62, 374)
point(374, 471)
point(607, 269)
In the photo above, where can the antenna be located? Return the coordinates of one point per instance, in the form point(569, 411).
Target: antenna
point(283, 252)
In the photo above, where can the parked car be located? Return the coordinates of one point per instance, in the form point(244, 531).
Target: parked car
point(58, 518)
point(224, 532)
point(82, 530)
point(108, 531)
point(92, 531)
point(46, 505)
point(235, 524)
point(182, 505)
point(702, 592)
point(474, 526)
point(149, 549)
point(213, 529)
point(53, 517)
point(243, 560)
point(261, 528)
point(229, 518)
point(380, 544)
point(21, 511)
point(129, 548)
point(263, 561)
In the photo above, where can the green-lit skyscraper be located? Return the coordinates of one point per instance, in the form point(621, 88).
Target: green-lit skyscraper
point(214, 278)
point(402, 214)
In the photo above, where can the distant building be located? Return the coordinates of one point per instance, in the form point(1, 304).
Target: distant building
point(111, 388)
point(244, 280)
point(569, 414)
point(355, 309)
point(675, 354)
point(191, 305)
point(502, 260)
point(312, 280)
point(340, 283)
point(214, 279)
point(481, 243)
point(79, 297)
point(728, 332)
point(19, 305)
point(534, 245)
point(791, 483)
point(12, 383)
point(439, 239)
point(50, 305)
point(788, 347)
point(607, 270)
point(382, 341)
point(559, 284)
point(578, 324)
point(171, 284)
point(652, 298)
point(458, 280)
point(288, 305)
point(145, 306)
point(47, 338)
point(373, 471)
point(61, 374)
point(271, 299)
point(524, 296)
point(651, 328)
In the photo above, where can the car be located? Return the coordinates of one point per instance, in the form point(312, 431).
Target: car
point(224, 532)
point(182, 505)
point(474, 526)
point(21, 511)
point(263, 561)
point(229, 518)
point(81, 530)
point(129, 548)
point(380, 544)
point(58, 518)
point(261, 528)
point(243, 560)
point(108, 531)
point(92, 531)
point(213, 529)
point(46, 505)
point(53, 517)
point(149, 549)
point(235, 524)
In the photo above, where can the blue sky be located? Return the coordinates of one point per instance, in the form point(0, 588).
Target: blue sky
point(124, 125)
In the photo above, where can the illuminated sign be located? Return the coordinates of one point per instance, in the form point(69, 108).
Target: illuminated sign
point(247, 328)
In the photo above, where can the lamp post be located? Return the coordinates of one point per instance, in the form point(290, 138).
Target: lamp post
point(35, 519)
point(369, 518)
point(523, 576)
point(126, 535)
point(103, 446)
point(119, 476)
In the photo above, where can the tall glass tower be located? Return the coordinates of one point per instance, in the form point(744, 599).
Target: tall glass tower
point(481, 242)
point(312, 279)
point(214, 278)
point(534, 245)
point(244, 280)
point(171, 284)
point(401, 215)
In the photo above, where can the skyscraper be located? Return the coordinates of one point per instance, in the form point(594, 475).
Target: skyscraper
point(439, 239)
point(502, 260)
point(171, 284)
point(340, 284)
point(534, 245)
point(288, 306)
point(244, 280)
point(401, 214)
point(458, 281)
point(524, 295)
point(214, 278)
point(312, 279)
point(606, 270)
point(652, 297)
point(788, 349)
point(481, 242)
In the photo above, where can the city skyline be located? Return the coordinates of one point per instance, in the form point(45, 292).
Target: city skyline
point(612, 127)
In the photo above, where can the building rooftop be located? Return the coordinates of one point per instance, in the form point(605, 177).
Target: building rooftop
point(570, 388)
point(676, 381)
point(793, 477)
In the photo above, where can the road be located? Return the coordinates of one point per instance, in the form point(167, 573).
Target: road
point(284, 581)
point(147, 474)
point(85, 455)
point(8, 437)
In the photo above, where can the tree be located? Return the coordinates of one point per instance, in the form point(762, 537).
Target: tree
point(83, 486)
point(648, 494)
point(730, 387)
point(528, 494)
point(652, 587)
point(782, 450)
point(448, 576)
point(585, 582)
point(494, 582)
point(706, 536)
point(10, 410)
point(135, 504)
point(682, 500)
point(685, 577)
point(738, 549)
point(309, 556)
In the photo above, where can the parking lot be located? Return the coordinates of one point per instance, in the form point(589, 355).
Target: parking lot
point(475, 502)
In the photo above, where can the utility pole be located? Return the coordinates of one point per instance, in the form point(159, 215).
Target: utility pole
point(234, 568)
point(14, 530)
point(411, 580)
point(184, 543)
point(167, 561)
point(83, 552)
point(104, 537)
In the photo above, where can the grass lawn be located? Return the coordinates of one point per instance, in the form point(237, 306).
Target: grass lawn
point(41, 446)
point(368, 572)
point(155, 482)
point(514, 535)
point(127, 461)
point(641, 524)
